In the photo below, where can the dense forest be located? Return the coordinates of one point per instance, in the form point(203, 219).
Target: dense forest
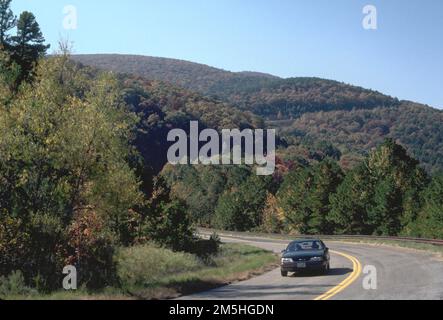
point(387, 193)
point(304, 110)
point(357, 132)
point(83, 167)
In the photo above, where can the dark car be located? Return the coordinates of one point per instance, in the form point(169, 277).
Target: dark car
point(304, 256)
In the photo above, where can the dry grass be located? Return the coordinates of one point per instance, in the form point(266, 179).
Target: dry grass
point(150, 273)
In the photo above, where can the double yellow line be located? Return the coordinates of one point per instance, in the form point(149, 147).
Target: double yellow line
point(347, 282)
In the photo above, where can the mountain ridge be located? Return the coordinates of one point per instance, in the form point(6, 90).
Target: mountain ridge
point(305, 109)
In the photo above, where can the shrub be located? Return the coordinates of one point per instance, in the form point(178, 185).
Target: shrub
point(168, 223)
point(91, 250)
point(146, 265)
point(205, 249)
point(14, 285)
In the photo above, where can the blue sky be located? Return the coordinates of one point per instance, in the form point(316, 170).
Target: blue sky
point(323, 38)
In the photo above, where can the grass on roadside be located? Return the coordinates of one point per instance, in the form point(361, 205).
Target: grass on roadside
point(438, 250)
point(427, 247)
point(149, 272)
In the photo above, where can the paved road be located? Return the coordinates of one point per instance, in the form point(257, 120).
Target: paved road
point(402, 274)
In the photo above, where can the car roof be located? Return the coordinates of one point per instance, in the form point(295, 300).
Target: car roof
point(305, 240)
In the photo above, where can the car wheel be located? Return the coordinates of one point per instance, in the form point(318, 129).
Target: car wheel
point(284, 273)
point(326, 269)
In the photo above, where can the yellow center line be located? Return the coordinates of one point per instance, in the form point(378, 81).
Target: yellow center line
point(348, 281)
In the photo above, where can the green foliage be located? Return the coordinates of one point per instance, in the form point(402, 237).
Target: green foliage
point(273, 216)
point(240, 208)
point(64, 148)
point(201, 187)
point(429, 223)
point(14, 285)
point(381, 196)
point(168, 223)
point(192, 76)
point(7, 22)
point(263, 94)
point(23, 50)
point(9, 74)
point(304, 197)
point(348, 213)
point(353, 119)
point(150, 272)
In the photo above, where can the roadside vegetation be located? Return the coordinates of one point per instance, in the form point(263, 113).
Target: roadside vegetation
point(151, 272)
point(386, 194)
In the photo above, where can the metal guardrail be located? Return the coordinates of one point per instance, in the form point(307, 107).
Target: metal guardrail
point(435, 242)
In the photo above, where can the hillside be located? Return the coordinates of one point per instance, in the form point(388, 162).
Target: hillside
point(161, 106)
point(263, 94)
point(417, 127)
point(290, 98)
point(189, 75)
point(310, 110)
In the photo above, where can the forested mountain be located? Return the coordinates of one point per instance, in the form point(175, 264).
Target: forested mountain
point(162, 107)
point(189, 75)
point(263, 94)
point(307, 110)
point(417, 127)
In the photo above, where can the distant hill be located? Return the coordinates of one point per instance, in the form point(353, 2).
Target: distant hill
point(310, 110)
point(193, 76)
point(281, 99)
point(417, 127)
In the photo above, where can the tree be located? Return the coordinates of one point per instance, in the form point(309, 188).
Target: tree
point(28, 44)
point(381, 196)
point(292, 197)
point(385, 213)
point(8, 22)
point(65, 141)
point(240, 208)
point(348, 213)
point(273, 216)
point(327, 176)
point(9, 74)
point(393, 170)
point(167, 221)
point(429, 223)
point(305, 197)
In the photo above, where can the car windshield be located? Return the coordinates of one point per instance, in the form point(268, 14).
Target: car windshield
point(305, 246)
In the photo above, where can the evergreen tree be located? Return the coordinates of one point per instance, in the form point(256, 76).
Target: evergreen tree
point(28, 44)
point(241, 208)
point(390, 165)
point(7, 22)
point(349, 204)
point(305, 197)
point(167, 221)
point(382, 196)
point(386, 211)
point(327, 176)
point(429, 223)
point(292, 197)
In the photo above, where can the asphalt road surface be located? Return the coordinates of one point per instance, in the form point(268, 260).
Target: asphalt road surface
point(401, 274)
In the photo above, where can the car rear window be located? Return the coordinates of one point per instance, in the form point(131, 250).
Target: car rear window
point(305, 246)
